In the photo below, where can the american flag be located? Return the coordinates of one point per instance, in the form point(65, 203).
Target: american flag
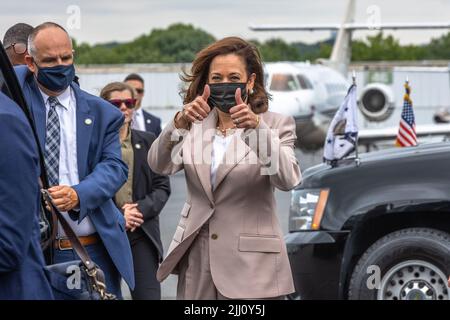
point(406, 136)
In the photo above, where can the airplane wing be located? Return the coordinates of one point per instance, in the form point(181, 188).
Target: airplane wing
point(287, 27)
point(350, 26)
point(371, 136)
point(397, 26)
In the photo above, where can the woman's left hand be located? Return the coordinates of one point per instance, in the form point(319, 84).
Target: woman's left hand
point(133, 217)
point(242, 114)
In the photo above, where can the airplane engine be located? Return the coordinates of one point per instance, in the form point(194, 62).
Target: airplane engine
point(376, 102)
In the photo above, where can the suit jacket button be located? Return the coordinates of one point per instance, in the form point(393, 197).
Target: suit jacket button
point(214, 236)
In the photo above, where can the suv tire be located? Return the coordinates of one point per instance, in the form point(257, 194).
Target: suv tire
point(411, 264)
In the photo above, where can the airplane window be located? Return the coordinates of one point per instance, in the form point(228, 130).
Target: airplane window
point(333, 87)
point(330, 87)
point(283, 82)
point(304, 83)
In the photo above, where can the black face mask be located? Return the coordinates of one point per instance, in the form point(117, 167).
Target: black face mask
point(222, 95)
point(56, 78)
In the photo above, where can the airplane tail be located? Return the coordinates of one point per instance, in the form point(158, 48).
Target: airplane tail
point(342, 49)
point(341, 53)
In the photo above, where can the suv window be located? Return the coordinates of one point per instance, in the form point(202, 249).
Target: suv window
point(9, 85)
point(4, 85)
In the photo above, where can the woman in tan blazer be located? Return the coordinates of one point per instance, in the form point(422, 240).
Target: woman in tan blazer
point(228, 243)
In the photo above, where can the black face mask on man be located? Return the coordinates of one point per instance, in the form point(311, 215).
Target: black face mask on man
point(223, 94)
point(56, 78)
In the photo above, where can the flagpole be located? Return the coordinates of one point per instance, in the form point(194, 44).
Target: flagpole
point(357, 160)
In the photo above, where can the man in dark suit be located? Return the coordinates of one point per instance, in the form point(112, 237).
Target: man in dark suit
point(79, 134)
point(141, 198)
point(21, 261)
point(142, 120)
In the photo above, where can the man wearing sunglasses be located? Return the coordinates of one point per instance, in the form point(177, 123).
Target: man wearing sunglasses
point(142, 120)
point(15, 43)
point(79, 135)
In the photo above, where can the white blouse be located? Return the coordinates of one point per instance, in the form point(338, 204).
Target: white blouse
point(220, 146)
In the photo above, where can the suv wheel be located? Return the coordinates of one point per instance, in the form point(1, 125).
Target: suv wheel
point(409, 264)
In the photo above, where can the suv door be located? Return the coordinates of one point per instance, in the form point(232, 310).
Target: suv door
point(9, 85)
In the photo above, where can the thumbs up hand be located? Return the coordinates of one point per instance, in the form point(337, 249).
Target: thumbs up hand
point(242, 114)
point(197, 110)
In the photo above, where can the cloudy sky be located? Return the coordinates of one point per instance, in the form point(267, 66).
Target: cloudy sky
point(106, 20)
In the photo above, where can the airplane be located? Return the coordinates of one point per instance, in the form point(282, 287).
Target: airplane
point(301, 89)
point(307, 92)
point(312, 93)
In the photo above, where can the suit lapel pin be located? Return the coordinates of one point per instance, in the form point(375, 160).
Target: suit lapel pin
point(149, 121)
point(88, 121)
point(138, 146)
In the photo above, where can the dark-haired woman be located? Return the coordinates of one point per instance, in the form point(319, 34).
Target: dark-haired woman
point(228, 243)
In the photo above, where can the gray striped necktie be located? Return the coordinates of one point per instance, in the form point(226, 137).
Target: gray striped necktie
point(52, 142)
point(134, 123)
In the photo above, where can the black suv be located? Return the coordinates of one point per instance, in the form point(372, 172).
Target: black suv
point(10, 87)
point(377, 227)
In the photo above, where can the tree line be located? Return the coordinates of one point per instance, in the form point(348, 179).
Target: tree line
point(180, 42)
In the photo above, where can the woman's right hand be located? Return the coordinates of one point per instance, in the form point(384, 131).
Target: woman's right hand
point(196, 110)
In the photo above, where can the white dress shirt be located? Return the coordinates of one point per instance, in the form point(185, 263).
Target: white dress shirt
point(68, 164)
point(220, 146)
point(138, 122)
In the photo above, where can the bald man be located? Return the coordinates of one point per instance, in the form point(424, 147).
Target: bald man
point(79, 134)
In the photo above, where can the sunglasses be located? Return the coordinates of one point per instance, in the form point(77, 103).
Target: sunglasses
point(129, 103)
point(19, 48)
point(139, 91)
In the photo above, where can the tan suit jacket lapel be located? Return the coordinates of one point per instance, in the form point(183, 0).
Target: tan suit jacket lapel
point(201, 146)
